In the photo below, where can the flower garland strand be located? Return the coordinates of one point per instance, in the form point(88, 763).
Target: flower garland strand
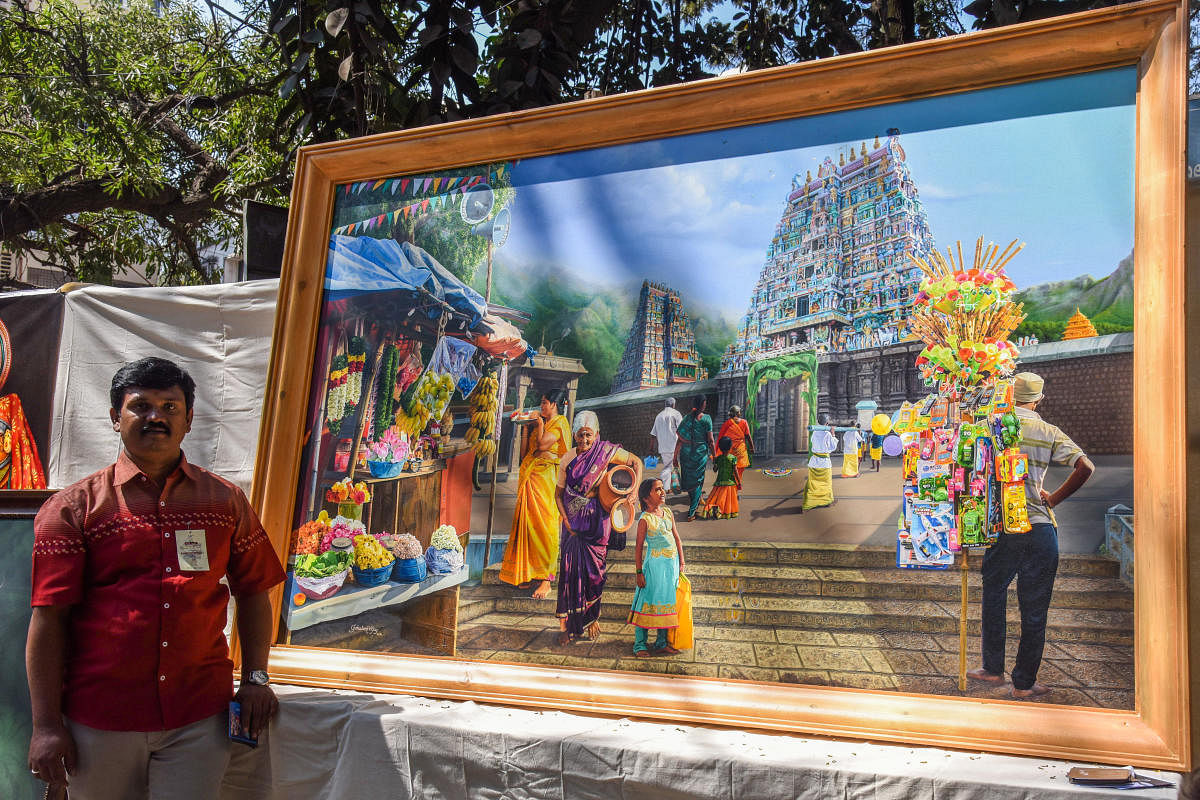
point(385, 410)
point(335, 401)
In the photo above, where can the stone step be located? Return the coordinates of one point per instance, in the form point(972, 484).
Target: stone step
point(1078, 674)
point(882, 583)
point(1096, 626)
point(846, 557)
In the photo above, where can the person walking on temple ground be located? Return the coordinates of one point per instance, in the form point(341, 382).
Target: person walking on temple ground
point(586, 527)
point(664, 433)
point(129, 672)
point(692, 451)
point(722, 502)
point(1032, 558)
point(851, 440)
point(738, 431)
point(818, 488)
point(876, 450)
point(531, 554)
point(659, 560)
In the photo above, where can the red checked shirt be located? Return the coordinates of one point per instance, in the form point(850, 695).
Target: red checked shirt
point(146, 646)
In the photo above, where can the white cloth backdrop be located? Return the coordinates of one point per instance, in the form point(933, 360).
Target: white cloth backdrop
point(327, 745)
point(220, 334)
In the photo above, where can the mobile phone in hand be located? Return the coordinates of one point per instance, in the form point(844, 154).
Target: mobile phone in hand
point(236, 732)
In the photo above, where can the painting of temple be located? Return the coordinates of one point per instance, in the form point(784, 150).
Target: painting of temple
point(837, 275)
point(661, 348)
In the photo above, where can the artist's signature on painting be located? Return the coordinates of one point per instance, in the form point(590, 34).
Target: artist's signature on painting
point(369, 630)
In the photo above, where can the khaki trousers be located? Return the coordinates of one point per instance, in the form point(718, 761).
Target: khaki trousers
point(185, 763)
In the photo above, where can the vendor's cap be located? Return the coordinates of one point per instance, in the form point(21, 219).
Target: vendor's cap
point(1027, 387)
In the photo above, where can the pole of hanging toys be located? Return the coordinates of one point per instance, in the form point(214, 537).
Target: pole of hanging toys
point(962, 626)
point(501, 392)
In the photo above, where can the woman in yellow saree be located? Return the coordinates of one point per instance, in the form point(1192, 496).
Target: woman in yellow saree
point(532, 550)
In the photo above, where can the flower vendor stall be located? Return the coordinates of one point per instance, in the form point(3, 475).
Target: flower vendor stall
point(404, 344)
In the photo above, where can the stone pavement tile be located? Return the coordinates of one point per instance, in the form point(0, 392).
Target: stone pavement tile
point(1121, 653)
point(947, 663)
point(546, 642)
point(1052, 650)
point(1110, 698)
point(1088, 652)
point(1060, 696)
point(838, 659)
point(737, 633)
point(720, 652)
point(522, 657)
point(611, 647)
point(748, 673)
point(504, 639)
point(913, 641)
point(1059, 673)
point(795, 636)
point(859, 640)
point(949, 641)
point(693, 669)
point(862, 680)
point(909, 662)
point(924, 684)
point(811, 677)
point(591, 663)
point(777, 655)
point(1098, 676)
point(660, 665)
point(876, 660)
point(476, 655)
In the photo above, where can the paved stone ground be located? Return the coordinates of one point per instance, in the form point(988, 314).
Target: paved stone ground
point(1078, 674)
point(843, 617)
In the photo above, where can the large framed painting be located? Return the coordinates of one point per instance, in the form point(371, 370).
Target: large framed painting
point(738, 401)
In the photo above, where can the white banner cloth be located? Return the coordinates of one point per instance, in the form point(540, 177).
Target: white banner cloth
point(327, 745)
point(220, 334)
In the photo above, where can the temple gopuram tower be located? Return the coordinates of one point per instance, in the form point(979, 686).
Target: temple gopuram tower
point(837, 275)
point(1079, 327)
point(661, 348)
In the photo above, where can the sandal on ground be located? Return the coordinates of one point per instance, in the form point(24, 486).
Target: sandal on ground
point(667, 650)
point(1037, 690)
point(564, 638)
point(981, 674)
point(641, 653)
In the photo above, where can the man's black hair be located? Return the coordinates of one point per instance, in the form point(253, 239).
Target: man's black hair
point(151, 373)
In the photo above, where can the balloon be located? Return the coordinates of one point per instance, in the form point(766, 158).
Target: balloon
point(881, 425)
point(892, 446)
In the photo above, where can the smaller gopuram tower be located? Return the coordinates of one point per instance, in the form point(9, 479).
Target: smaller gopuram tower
point(661, 347)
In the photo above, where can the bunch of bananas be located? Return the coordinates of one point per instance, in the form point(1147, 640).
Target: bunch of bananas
point(483, 416)
point(413, 425)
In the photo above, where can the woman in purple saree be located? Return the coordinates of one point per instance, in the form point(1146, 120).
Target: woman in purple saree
point(583, 539)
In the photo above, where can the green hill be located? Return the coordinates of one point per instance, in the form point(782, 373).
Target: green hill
point(598, 318)
point(1107, 302)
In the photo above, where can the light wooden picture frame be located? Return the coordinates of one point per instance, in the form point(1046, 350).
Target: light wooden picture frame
point(1149, 36)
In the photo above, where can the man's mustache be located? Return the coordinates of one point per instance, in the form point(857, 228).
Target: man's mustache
point(152, 427)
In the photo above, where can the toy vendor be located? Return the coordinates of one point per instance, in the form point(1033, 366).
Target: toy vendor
point(1032, 558)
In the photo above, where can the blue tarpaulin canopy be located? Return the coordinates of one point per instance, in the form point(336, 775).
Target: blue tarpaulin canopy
point(361, 265)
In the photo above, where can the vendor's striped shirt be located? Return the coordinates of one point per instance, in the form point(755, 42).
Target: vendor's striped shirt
point(1043, 444)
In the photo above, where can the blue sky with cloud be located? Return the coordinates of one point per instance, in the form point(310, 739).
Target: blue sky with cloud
point(1050, 163)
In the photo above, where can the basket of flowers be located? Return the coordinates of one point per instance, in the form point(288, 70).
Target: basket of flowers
point(387, 455)
point(410, 560)
point(372, 562)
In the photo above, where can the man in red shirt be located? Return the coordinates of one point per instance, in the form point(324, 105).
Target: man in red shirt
point(128, 666)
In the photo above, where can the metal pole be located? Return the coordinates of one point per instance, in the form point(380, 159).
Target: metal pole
point(962, 627)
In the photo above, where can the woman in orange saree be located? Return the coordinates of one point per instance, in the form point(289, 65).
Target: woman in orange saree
point(738, 431)
point(532, 550)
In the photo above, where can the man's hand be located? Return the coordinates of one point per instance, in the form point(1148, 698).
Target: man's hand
point(1045, 498)
point(258, 706)
point(51, 753)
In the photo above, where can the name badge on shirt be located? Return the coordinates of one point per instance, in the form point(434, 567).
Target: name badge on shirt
point(192, 549)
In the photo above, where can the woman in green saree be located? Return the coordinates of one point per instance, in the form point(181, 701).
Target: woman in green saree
point(693, 450)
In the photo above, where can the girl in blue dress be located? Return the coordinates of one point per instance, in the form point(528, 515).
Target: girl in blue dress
point(659, 561)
